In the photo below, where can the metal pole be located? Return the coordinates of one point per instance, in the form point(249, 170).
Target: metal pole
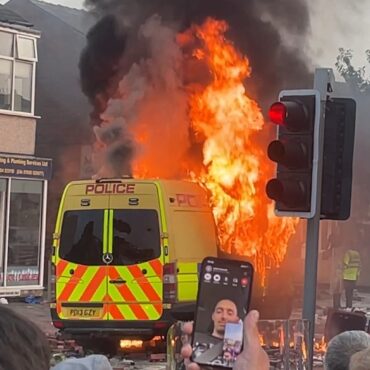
point(310, 280)
point(312, 237)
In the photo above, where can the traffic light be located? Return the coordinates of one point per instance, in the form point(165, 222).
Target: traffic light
point(340, 117)
point(295, 150)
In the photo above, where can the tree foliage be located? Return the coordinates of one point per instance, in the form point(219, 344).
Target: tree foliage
point(351, 74)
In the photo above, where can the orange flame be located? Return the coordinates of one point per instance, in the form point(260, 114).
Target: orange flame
point(320, 346)
point(235, 164)
point(304, 351)
point(227, 122)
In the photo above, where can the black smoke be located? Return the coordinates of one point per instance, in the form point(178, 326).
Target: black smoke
point(99, 61)
point(254, 28)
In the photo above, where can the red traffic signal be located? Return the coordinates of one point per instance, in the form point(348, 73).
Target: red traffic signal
point(278, 113)
point(294, 150)
point(293, 115)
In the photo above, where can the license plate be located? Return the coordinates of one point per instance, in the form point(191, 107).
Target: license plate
point(82, 312)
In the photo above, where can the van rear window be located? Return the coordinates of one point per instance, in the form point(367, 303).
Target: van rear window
point(81, 237)
point(136, 236)
point(135, 239)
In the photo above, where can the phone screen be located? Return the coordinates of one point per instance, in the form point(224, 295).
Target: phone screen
point(223, 301)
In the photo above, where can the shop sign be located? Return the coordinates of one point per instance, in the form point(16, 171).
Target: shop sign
point(25, 167)
point(21, 275)
point(9, 292)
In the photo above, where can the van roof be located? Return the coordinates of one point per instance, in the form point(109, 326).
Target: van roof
point(166, 183)
point(178, 193)
point(129, 179)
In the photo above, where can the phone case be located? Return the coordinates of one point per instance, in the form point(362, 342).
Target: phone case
point(224, 293)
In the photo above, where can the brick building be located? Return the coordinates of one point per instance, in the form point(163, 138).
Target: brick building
point(23, 177)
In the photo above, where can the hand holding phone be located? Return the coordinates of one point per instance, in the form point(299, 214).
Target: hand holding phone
point(223, 301)
point(252, 357)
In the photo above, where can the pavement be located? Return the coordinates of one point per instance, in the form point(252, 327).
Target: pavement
point(40, 314)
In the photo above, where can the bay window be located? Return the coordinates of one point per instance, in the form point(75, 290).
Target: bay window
point(18, 57)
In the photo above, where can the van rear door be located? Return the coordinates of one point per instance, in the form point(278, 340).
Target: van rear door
point(81, 271)
point(135, 274)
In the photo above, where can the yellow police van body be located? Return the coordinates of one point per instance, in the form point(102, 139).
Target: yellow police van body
point(126, 255)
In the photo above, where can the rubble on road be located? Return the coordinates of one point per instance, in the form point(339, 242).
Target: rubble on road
point(157, 357)
point(63, 349)
point(118, 363)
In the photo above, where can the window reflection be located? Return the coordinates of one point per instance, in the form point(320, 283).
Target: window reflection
point(81, 237)
point(136, 237)
point(6, 44)
point(5, 84)
point(25, 48)
point(23, 87)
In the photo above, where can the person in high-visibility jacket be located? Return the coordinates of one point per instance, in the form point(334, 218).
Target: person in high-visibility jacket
point(351, 272)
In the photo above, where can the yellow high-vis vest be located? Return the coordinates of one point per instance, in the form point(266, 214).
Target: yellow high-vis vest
point(351, 265)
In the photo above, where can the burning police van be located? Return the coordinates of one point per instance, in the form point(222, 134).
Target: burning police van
point(126, 254)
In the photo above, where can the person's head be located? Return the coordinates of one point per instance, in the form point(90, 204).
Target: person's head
point(92, 362)
point(360, 360)
point(225, 311)
point(22, 344)
point(343, 346)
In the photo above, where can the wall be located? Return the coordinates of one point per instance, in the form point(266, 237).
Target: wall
point(18, 134)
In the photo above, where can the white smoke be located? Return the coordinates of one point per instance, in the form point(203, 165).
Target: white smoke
point(147, 118)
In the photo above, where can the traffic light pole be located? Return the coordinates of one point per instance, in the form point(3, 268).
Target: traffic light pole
point(310, 280)
point(298, 150)
point(312, 243)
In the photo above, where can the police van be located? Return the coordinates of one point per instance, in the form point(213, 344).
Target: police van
point(126, 254)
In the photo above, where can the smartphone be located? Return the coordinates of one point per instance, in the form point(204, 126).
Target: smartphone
point(224, 293)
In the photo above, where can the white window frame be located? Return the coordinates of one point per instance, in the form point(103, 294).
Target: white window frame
point(10, 59)
point(16, 45)
point(13, 59)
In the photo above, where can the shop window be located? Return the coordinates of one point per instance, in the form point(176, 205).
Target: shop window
point(24, 241)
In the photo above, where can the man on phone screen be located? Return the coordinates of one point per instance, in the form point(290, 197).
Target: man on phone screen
point(208, 347)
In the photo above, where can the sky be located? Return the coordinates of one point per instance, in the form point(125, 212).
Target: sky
point(334, 24)
point(71, 3)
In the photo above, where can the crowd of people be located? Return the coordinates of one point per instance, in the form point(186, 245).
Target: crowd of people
point(24, 346)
